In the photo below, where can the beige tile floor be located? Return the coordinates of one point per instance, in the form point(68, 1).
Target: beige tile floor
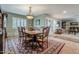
point(69, 48)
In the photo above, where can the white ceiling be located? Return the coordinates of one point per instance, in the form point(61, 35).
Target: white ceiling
point(55, 10)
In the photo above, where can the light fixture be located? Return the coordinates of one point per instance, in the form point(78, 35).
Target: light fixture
point(64, 12)
point(30, 16)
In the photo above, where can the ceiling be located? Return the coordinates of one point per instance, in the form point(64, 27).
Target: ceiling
point(54, 10)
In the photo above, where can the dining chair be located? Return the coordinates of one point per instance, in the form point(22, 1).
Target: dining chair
point(43, 38)
point(21, 34)
point(22, 39)
point(19, 39)
point(23, 31)
point(27, 39)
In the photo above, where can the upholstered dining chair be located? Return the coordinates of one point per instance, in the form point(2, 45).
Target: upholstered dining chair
point(21, 35)
point(27, 39)
point(19, 32)
point(43, 38)
point(22, 38)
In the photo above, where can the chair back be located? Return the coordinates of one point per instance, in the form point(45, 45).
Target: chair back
point(19, 31)
point(46, 31)
point(23, 31)
point(44, 38)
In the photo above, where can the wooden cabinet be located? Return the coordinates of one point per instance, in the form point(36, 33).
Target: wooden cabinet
point(71, 26)
point(64, 24)
point(74, 27)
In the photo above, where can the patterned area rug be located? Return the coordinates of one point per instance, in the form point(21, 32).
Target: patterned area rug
point(13, 47)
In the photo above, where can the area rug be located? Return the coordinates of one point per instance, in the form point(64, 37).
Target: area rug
point(54, 48)
point(13, 47)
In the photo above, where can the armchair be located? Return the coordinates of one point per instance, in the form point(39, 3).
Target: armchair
point(43, 38)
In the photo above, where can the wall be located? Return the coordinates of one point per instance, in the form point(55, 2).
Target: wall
point(10, 30)
point(13, 32)
point(42, 21)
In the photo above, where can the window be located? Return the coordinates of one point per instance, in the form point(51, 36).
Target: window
point(18, 22)
point(5, 19)
point(38, 22)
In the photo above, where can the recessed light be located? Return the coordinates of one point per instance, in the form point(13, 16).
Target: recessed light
point(64, 12)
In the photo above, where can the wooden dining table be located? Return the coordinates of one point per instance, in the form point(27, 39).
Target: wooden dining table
point(34, 34)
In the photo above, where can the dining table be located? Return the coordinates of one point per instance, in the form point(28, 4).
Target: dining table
point(34, 34)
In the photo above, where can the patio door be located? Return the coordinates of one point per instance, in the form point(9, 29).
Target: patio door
point(48, 22)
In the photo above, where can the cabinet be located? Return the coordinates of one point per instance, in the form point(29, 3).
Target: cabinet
point(74, 27)
point(71, 26)
point(64, 24)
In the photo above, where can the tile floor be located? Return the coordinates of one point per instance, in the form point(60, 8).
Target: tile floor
point(70, 46)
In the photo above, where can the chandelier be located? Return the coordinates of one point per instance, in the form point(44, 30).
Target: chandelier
point(30, 16)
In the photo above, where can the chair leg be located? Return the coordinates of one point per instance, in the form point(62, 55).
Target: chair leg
point(37, 47)
point(47, 43)
point(42, 46)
